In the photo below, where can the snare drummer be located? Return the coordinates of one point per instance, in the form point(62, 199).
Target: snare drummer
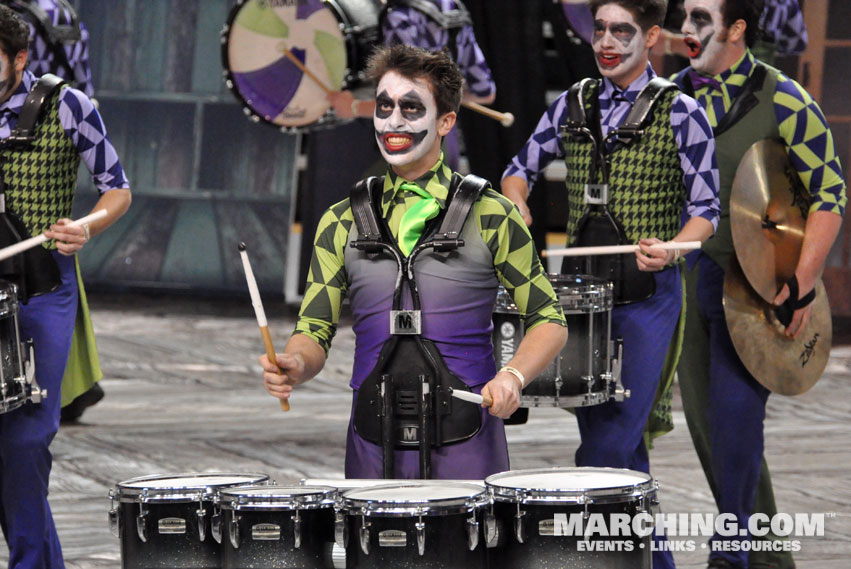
point(40, 178)
point(653, 182)
point(418, 93)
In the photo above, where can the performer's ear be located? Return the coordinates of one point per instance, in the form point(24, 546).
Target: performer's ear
point(653, 35)
point(20, 61)
point(446, 122)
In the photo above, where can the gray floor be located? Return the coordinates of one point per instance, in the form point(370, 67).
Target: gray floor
point(184, 394)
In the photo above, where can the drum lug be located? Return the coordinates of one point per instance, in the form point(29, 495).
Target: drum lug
point(113, 515)
point(233, 530)
point(216, 526)
point(364, 536)
point(297, 530)
point(341, 533)
point(491, 535)
point(519, 527)
point(35, 393)
point(201, 513)
point(472, 533)
point(558, 383)
point(140, 524)
point(420, 525)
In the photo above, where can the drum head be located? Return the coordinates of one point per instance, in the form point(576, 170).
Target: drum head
point(271, 86)
point(277, 497)
point(570, 485)
point(184, 486)
point(582, 294)
point(423, 497)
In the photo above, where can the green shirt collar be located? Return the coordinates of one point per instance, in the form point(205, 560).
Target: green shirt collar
point(436, 182)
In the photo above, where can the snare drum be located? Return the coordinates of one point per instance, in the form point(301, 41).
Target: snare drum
point(164, 521)
point(276, 527)
point(16, 368)
point(581, 375)
point(332, 39)
point(539, 517)
point(416, 524)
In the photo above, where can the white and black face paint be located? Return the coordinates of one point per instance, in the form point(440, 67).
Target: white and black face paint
point(705, 34)
point(619, 45)
point(405, 119)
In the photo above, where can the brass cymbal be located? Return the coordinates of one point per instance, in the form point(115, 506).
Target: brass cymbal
point(784, 365)
point(768, 205)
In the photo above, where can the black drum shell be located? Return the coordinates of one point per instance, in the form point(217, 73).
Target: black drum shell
point(317, 540)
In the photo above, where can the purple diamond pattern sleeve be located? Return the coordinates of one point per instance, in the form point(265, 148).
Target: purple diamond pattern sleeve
point(405, 25)
point(783, 24)
point(697, 158)
point(83, 125)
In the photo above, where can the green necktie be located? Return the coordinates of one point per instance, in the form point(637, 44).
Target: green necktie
point(415, 218)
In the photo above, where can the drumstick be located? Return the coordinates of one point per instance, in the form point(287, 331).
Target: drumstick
point(11, 250)
point(307, 71)
point(616, 249)
point(261, 315)
point(471, 397)
point(505, 119)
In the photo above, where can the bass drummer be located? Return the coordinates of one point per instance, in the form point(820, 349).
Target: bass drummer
point(435, 315)
point(632, 177)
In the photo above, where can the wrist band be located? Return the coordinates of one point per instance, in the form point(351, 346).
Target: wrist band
point(355, 107)
point(86, 231)
point(516, 373)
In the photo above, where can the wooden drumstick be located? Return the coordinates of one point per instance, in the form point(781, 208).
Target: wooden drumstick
point(618, 249)
point(11, 250)
point(505, 119)
point(261, 315)
point(291, 56)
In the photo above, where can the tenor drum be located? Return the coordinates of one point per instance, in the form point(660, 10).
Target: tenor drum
point(582, 374)
point(570, 517)
point(331, 38)
point(164, 521)
point(276, 527)
point(416, 524)
point(16, 367)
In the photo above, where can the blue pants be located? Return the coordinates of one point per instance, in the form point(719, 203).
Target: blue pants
point(26, 432)
point(735, 413)
point(476, 458)
point(613, 433)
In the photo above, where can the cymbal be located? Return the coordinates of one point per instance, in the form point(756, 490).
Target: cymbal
point(784, 365)
point(768, 206)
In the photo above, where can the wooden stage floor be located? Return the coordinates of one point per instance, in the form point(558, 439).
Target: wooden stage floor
point(184, 394)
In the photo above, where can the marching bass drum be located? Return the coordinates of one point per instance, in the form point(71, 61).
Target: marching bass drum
point(332, 39)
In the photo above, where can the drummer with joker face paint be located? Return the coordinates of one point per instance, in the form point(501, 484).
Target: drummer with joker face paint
point(662, 185)
point(418, 93)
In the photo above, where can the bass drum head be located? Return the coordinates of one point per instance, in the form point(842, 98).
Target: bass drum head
point(570, 485)
point(259, 73)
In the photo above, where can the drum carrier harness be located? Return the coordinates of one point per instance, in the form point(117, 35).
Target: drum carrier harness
point(598, 226)
point(452, 20)
point(34, 271)
point(405, 401)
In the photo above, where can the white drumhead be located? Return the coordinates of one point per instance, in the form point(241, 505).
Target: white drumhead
point(414, 493)
point(185, 481)
point(570, 479)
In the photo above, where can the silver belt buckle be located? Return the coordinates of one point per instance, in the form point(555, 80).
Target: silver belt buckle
point(405, 322)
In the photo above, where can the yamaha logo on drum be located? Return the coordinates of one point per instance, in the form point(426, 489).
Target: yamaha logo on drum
point(507, 330)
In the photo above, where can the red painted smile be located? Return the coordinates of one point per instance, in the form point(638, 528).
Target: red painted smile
point(397, 142)
point(693, 46)
point(609, 59)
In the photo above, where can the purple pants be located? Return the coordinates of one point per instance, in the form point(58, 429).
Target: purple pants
point(26, 432)
point(476, 458)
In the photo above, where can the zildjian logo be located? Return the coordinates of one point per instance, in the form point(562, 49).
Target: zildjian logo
point(809, 349)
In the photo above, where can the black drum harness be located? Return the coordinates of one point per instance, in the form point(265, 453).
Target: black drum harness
point(34, 271)
point(405, 401)
point(598, 226)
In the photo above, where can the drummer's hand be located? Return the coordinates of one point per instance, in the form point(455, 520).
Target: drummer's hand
point(652, 259)
point(280, 385)
point(69, 239)
point(801, 317)
point(504, 390)
point(341, 102)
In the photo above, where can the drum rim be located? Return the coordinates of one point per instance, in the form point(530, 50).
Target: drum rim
point(180, 493)
point(409, 508)
point(646, 487)
point(314, 497)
